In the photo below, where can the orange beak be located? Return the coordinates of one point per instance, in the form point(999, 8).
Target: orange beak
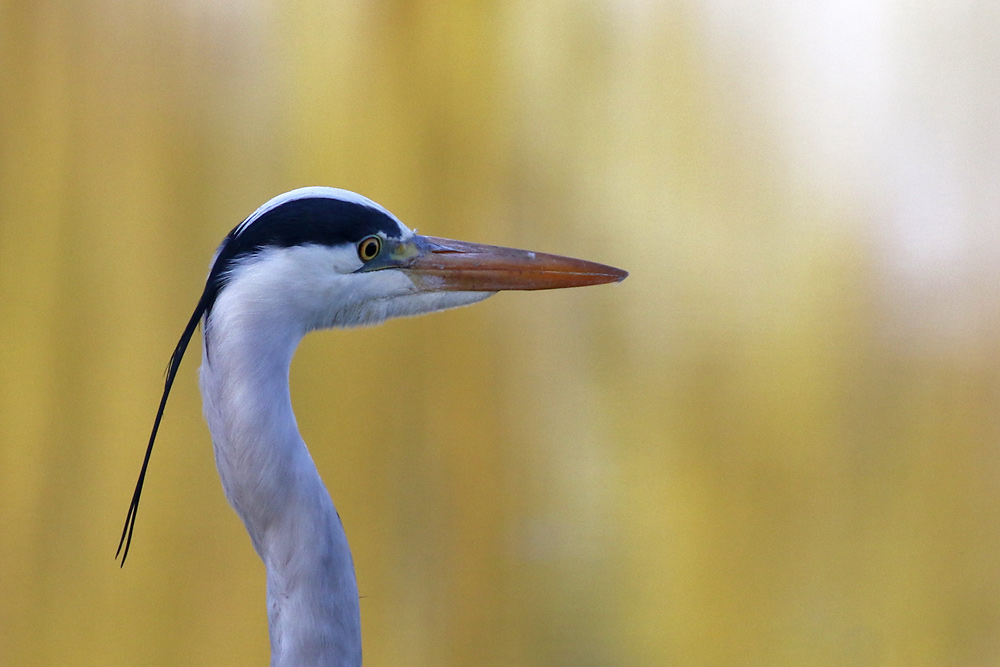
point(447, 265)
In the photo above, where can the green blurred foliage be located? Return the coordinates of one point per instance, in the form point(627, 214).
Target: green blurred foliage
point(774, 444)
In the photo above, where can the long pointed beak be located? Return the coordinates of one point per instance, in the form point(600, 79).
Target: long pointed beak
point(444, 264)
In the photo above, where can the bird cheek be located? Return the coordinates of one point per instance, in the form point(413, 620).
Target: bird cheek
point(423, 282)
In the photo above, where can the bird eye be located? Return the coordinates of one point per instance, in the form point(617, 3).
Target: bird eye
point(369, 248)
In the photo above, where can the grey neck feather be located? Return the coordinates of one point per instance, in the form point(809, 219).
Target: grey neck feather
point(270, 480)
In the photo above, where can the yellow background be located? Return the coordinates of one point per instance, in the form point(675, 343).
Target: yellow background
point(776, 443)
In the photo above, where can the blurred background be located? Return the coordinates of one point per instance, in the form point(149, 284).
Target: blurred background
point(776, 443)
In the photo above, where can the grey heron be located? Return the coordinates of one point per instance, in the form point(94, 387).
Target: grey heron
point(309, 259)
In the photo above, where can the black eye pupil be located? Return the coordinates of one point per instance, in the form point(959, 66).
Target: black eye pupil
point(369, 248)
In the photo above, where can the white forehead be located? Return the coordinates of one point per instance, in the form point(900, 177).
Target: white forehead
point(320, 192)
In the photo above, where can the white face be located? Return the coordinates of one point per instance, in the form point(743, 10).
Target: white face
point(317, 287)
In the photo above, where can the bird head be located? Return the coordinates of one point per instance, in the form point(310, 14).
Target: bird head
point(322, 257)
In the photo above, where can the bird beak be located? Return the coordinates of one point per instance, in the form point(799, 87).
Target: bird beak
point(446, 265)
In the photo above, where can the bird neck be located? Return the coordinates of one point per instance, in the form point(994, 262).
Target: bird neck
point(271, 482)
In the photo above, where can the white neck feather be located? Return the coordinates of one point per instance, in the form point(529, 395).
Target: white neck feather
point(271, 481)
point(257, 321)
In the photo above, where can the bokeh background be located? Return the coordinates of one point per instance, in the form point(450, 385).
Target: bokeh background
point(776, 443)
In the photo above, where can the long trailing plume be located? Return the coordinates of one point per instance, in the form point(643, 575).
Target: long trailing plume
point(175, 362)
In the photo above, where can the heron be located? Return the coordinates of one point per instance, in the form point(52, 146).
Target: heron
point(316, 258)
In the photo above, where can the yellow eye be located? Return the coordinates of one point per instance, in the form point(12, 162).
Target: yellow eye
point(369, 248)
